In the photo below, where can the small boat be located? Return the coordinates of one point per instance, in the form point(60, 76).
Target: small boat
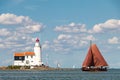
point(94, 61)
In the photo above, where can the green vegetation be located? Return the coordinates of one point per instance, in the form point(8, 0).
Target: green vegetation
point(18, 67)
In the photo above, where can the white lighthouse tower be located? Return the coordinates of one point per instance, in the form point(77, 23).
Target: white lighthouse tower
point(37, 51)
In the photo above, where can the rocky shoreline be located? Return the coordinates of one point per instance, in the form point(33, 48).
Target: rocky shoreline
point(26, 68)
point(43, 68)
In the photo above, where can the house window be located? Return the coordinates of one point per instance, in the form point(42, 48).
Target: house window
point(31, 56)
point(20, 58)
point(27, 56)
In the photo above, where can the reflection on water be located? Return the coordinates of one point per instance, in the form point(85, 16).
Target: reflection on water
point(76, 74)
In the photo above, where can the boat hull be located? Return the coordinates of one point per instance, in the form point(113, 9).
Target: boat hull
point(93, 69)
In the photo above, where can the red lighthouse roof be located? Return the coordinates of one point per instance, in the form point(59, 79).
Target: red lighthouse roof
point(37, 40)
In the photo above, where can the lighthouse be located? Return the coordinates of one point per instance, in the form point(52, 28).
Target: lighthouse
point(29, 58)
point(37, 51)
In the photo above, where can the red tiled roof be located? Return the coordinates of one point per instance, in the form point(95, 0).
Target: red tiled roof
point(23, 53)
point(29, 53)
point(19, 54)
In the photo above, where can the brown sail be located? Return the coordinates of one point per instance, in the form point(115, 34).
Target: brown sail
point(94, 60)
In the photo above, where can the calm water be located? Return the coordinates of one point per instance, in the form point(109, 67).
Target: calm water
point(113, 74)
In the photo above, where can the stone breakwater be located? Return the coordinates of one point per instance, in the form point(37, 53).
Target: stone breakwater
point(35, 68)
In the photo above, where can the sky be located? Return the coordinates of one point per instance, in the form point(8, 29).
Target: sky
point(64, 27)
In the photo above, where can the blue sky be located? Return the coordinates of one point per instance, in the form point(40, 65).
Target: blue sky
point(64, 27)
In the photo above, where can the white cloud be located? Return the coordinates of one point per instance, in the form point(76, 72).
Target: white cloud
point(72, 24)
point(72, 27)
point(66, 43)
point(4, 32)
point(20, 36)
point(97, 28)
point(89, 37)
point(25, 24)
point(28, 48)
point(12, 19)
point(110, 25)
point(118, 47)
point(30, 28)
point(73, 37)
point(34, 28)
point(46, 45)
point(1, 45)
point(64, 36)
point(113, 40)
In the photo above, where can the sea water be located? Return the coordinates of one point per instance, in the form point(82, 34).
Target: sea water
point(75, 74)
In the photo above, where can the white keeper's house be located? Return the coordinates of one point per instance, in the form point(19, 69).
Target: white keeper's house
point(29, 58)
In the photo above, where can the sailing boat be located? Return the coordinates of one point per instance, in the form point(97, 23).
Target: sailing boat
point(94, 61)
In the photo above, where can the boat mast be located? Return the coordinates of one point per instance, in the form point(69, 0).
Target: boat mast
point(90, 43)
point(92, 64)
